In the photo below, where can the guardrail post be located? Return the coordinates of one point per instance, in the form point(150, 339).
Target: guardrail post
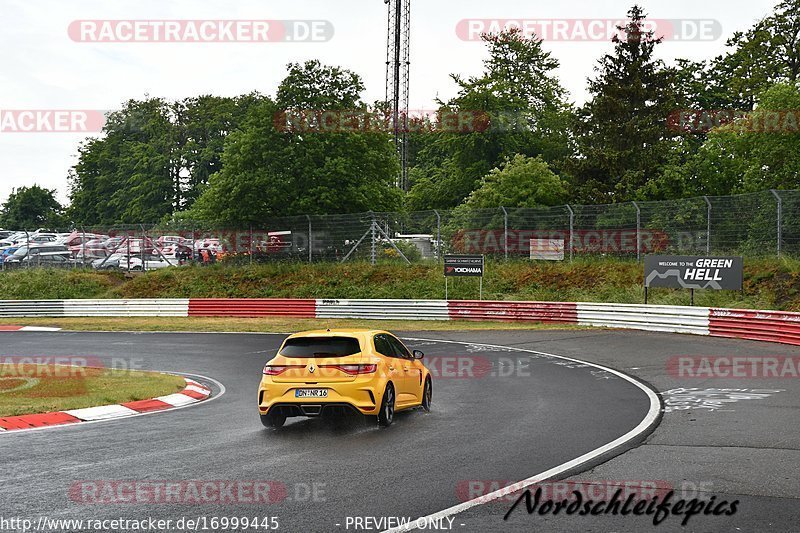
point(708, 231)
point(638, 232)
point(780, 218)
point(309, 237)
point(438, 235)
point(571, 228)
point(505, 231)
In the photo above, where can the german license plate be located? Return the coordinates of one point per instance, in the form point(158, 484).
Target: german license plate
point(311, 393)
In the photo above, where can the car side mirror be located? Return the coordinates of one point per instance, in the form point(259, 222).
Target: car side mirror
point(418, 354)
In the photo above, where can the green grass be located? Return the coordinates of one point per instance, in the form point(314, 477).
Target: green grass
point(29, 389)
point(770, 283)
point(56, 284)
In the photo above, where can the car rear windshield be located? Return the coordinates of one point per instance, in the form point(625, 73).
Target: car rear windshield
point(320, 347)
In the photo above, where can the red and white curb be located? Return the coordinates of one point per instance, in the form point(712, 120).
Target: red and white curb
point(193, 393)
point(27, 328)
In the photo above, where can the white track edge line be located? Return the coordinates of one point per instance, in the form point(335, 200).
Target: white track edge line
point(644, 425)
point(222, 391)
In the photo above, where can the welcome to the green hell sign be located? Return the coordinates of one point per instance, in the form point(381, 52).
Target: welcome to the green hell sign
point(708, 270)
point(686, 272)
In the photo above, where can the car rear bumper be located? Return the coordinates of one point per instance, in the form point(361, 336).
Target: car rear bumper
point(313, 409)
point(359, 396)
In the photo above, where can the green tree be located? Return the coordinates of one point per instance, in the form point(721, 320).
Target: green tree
point(155, 158)
point(269, 172)
point(622, 131)
point(202, 125)
point(312, 85)
point(520, 182)
point(767, 53)
point(520, 94)
point(130, 175)
point(757, 152)
point(32, 208)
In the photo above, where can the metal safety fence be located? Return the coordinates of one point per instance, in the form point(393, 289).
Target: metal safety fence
point(755, 224)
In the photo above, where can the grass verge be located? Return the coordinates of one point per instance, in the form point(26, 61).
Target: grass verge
point(769, 283)
point(35, 388)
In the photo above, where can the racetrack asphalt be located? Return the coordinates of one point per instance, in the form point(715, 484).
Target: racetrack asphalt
point(528, 414)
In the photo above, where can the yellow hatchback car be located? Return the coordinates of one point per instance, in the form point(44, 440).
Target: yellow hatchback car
point(320, 372)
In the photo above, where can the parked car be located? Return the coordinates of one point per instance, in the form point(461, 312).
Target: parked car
point(176, 251)
point(134, 246)
point(108, 263)
point(7, 252)
point(16, 237)
point(28, 255)
point(78, 238)
point(49, 260)
point(43, 237)
point(91, 250)
point(151, 262)
point(165, 240)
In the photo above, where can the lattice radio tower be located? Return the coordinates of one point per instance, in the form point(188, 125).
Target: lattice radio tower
point(398, 66)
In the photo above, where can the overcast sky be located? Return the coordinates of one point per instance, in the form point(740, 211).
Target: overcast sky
point(43, 68)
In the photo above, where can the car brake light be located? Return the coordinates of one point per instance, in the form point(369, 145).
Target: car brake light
point(354, 370)
point(278, 369)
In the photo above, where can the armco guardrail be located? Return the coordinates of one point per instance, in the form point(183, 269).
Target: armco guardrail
point(32, 308)
point(122, 308)
point(89, 308)
point(384, 309)
point(252, 308)
point(674, 319)
point(556, 312)
point(773, 326)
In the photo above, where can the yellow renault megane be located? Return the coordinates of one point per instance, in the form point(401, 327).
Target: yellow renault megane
point(366, 371)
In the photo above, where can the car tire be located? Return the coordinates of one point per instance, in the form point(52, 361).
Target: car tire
point(386, 414)
point(273, 420)
point(427, 395)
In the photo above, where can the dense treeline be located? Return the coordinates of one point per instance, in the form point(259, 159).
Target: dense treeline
point(233, 161)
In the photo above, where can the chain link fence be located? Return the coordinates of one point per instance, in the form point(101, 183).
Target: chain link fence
point(757, 224)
